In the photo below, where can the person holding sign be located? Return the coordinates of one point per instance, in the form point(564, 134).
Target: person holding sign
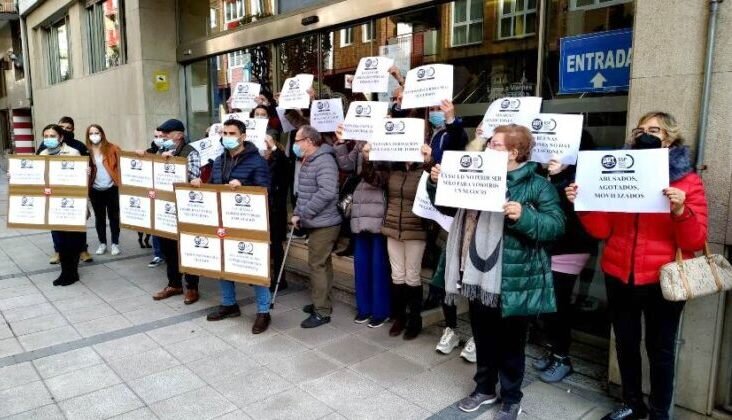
point(70, 244)
point(240, 165)
point(104, 180)
point(499, 261)
point(637, 245)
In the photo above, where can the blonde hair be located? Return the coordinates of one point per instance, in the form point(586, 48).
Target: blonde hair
point(517, 137)
point(667, 123)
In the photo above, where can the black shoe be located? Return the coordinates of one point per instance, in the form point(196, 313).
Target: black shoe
point(361, 319)
point(309, 309)
point(315, 320)
point(147, 241)
point(65, 281)
point(376, 322)
point(224, 312)
point(626, 412)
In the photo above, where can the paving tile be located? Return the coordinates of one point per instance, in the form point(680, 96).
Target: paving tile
point(5, 331)
point(14, 282)
point(124, 347)
point(274, 348)
point(139, 414)
point(56, 294)
point(287, 319)
point(197, 348)
point(350, 349)
point(334, 416)
point(21, 301)
point(38, 324)
point(222, 365)
point(550, 402)
point(439, 387)
point(384, 405)
point(204, 403)
point(82, 381)
point(26, 289)
point(143, 364)
point(16, 375)
point(291, 404)
point(251, 386)
point(23, 398)
point(303, 367)
point(81, 302)
point(102, 325)
point(388, 368)
point(314, 337)
point(48, 338)
point(166, 384)
point(47, 412)
point(70, 361)
point(28, 312)
point(176, 333)
point(10, 346)
point(422, 351)
point(132, 303)
point(147, 314)
point(101, 404)
point(381, 337)
point(234, 415)
point(342, 388)
point(91, 313)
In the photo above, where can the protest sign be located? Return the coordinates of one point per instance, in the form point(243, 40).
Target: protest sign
point(67, 172)
point(197, 206)
point(427, 86)
point(135, 171)
point(398, 140)
point(510, 111)
point(294, 94)
point(244, 95)
point(423, 206)
point(135, 212)
point(622, 181)
point(27, 210)
point(244, 207)
point(168, 172)
point(473, 180)
point(241, 116)
point(29, 170)
point(247, 259)
point(326, 114)
point(372, 75)
point(556, 137)
point(401, 53)
point(361, 118)
point(208, 148)
point(257, 131)
point(200, 253)
point(67, 210)
point(286, 125)
point(166, 216)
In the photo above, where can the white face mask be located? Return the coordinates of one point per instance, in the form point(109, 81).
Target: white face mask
point(95, 138)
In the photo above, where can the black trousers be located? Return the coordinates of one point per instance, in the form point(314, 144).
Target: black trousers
point(70, 246)
point(626, 303)
point(106, 204)
point(169, 248)
point(450, 313)
point(500, 345)
point(559, 324)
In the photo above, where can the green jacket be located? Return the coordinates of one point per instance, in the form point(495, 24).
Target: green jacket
point(526, 287)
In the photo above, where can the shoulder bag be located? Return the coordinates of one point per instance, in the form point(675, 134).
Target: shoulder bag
point(683, 280)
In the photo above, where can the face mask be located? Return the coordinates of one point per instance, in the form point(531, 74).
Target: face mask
point(647, 141)
point(297, 150)
point(261, 117)
point(437, 118)
point(51, 142)
point(230, 143)
point(168, 144)
point(158, 141)
point(95, 138)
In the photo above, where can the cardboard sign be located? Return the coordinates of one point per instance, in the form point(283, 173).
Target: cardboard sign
point(473, 180)
point(136, 171)
point(244, 209)
point(257, 131)
point(135, 211)
point(294, 94)
point(556, 137)
point(67, 210)
point(27, 210)
point(202, 252)
point(246, 258)
point(30, 170)
point(196, 206)
point(361, 119)
point(510, 111)
point(423, 206)
point(244, 95)
point(169, 173)
point(166, 216)
point(623, 181)
point(372, 75)
point(398, 140)
point(67, 172)
point(427, 86)
point(326, 114)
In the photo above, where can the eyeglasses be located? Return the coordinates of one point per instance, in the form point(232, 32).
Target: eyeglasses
point(637, 132)
point(301, 139)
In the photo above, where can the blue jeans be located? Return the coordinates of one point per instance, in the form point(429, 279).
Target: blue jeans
point(261, 294)
point(157, 252)
point(371, 267)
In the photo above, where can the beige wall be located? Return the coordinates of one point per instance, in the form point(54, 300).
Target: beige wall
point(122, 99)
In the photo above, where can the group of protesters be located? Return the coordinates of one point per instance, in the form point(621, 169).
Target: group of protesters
point(509, 267)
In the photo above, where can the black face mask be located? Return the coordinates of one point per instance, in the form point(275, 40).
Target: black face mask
point(647, 141)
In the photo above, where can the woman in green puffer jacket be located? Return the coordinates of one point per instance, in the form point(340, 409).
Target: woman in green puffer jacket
point(500, 263)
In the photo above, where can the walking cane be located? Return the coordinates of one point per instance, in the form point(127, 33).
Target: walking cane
point(282, 267)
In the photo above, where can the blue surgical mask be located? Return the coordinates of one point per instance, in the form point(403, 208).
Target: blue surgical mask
point(51, 142)
point(437, 118)
point(297, 150)
point(158, 141)
point(168, 144)
point(230, 143)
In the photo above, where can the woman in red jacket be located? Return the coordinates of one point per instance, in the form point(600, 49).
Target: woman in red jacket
point(636, 246)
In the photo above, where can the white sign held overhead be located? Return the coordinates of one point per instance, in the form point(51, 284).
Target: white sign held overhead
point(423, 206)
point(326, 114)
point(294, 94)
point(398, 140)
point(245, 94)
point(473, 180)
point(521, 110)
point(257, 131)
point(622, 181)
point(427, 86)
point(361, 117)
point(372, 75)
point(557, 137)
point(209, 148)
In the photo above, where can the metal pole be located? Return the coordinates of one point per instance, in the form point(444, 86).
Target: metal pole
point(282, 267)
point(541, 47)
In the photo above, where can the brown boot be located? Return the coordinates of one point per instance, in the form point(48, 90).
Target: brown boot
point(191, 296)
point(261, 323)
point(397, 327)
point(168, 292)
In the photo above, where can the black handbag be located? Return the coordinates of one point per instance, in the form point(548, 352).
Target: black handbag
point(345, 197)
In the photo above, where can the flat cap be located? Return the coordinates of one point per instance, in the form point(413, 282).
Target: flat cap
point(171, 125)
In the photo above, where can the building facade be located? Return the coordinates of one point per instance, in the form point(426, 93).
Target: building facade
point(129, 64)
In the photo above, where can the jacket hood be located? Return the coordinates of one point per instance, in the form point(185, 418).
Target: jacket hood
point(679, 162)
point(520, 174)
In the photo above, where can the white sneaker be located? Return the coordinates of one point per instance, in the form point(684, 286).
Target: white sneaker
point(116, 250)
point(448, 341)
point(102, 249)
point(468, 352)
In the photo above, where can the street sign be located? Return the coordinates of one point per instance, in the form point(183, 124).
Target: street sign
point(598, 62)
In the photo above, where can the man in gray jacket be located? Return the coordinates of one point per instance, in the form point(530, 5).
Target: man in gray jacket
point(316, 212)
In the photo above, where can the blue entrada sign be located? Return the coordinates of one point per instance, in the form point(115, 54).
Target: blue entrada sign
point(598, 62)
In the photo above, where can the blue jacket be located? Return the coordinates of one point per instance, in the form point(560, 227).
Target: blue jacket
point(249, 167)
point(451, 137)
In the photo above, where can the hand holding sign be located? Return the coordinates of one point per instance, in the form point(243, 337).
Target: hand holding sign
point(428, 86)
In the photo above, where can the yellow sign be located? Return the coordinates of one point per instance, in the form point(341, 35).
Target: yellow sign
point(161, 81)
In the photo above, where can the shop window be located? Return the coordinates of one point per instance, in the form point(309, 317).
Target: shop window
point(594, 4)
point(346, 37)
point(105, 34)
point(368, 32)
point(516, 18)
point(58, 53)
point(233, 10)
point(238, 59)
point(467, 22)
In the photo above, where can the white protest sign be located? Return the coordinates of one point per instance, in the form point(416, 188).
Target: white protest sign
point(398, 140)
point(197, 207)
point(200, 251)
point(248, 258)
point(294, 94)
point(286, 125)
point(67, 172)
point(473, 180)
point(136, 172)
point(361, 117)
point(423, 206)
point(241, 209)
point(134, 211)
point(69, 211)
point(428, 86)
point(166, 218)
point(510, 111)
point(402, 56)
point(326, 114)
point(209, 148)
point(27, 209)
point(166, 174)
point(256, 131)
point(372, 75)
point(622, 181)
point(26, 171)
point(556, 136)
point(244, 95)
